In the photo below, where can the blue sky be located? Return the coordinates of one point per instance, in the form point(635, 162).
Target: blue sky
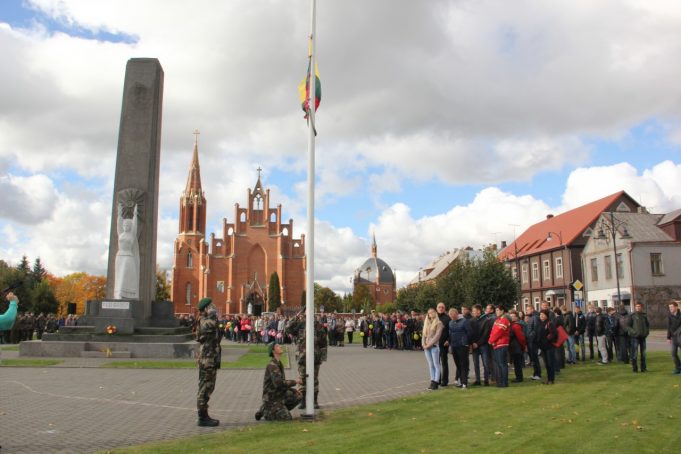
point(441, 126)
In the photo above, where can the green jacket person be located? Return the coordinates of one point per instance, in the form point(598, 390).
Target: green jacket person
point(209, 359)
point(278, 394)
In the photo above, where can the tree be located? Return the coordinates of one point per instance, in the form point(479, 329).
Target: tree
point(77, 288)
point(274, 293)
point(324, 296)
point(455, 288)
point(362, 299)
point(43, 299)
point(38, 273)
point(493, 283)
point(162, 286)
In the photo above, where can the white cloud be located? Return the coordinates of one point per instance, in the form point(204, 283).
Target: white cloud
point(27, 200)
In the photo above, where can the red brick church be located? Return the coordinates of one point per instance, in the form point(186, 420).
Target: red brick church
point(234, 269)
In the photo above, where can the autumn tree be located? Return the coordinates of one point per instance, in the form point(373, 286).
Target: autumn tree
point(324, 296)
point(162, 285)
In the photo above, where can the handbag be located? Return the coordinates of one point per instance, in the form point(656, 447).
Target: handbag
point(562, 336)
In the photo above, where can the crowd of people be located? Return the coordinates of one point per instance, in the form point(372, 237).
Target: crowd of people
point(495, 338)
point(29, 326)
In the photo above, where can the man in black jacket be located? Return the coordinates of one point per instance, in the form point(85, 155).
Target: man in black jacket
point(532, 321)
point(591, 328)
point(623, 335)
point(444, 344)
point(580, 328)
point(481, 348)
point(674, 334)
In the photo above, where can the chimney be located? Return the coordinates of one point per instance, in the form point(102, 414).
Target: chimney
point(503, 245)
point(549, 216)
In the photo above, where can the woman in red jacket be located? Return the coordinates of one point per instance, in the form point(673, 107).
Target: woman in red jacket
point(499, 339)
point(518, 345)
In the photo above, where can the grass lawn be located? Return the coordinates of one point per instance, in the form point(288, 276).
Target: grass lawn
point(29, 362)
point(591, 408)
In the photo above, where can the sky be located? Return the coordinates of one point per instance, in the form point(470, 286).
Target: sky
point(443, 124)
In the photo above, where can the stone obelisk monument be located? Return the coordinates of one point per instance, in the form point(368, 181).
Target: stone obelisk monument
point(136, 180)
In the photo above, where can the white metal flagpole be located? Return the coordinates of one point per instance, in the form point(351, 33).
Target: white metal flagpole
point(309, 241)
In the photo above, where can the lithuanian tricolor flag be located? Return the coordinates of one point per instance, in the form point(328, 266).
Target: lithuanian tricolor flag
point(304, 91)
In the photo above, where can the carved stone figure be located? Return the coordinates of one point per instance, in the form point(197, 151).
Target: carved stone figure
point(127, 275)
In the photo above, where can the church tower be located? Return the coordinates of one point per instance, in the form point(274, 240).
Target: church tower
point(190, 248)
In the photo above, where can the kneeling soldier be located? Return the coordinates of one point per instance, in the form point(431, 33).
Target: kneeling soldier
point(278, 395)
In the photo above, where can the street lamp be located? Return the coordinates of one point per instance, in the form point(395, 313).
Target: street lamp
point(549, 237)
point(612, 226)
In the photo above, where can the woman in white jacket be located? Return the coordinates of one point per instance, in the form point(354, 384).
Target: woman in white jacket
point(432, 329)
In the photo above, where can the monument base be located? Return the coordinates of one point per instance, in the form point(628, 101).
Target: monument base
point(127, 315)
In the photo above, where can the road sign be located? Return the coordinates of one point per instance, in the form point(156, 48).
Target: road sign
point(578, 284)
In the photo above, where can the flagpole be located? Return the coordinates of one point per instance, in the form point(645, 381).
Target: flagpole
point(309, 241)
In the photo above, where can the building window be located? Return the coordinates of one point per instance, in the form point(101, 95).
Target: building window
point(559, 267)
point(594, 270)
point(188, 294)
point(608, 266)
point(190, 259)
point(524, 271)
point(514, 272)
point(620, 266)
point(547, 270)
point(220, 287)
point(656, 264)
point(535, 271)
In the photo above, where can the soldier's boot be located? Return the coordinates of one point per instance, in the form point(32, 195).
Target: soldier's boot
point(205, 420)
point(316, 405)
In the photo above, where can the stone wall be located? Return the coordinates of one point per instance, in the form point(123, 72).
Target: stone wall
point(655, 301)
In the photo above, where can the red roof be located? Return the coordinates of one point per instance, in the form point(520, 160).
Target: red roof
point(570, 225)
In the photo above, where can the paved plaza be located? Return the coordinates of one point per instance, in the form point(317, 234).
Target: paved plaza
point(79, 407)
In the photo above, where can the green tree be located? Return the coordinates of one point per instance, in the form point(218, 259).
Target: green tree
point(362, 299)
point(427, 297)
point(274, 293)
point(455, 288)
point(43, 298)
point(324, 296)
point(162, 285)
point(38, 272)
point(406, 298)
point(493, 283)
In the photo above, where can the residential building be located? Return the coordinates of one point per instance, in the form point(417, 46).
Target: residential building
point(440, 265)
point(546, 258)
point(634, 256)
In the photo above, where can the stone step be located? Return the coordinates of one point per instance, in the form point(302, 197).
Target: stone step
point(104, 354)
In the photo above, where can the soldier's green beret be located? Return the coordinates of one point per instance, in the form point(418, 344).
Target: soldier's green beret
point(270, 349)
point(204, 303)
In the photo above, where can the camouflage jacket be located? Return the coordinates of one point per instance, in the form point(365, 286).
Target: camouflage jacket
point(275, 385)
point(207, 335)
point(297, 328)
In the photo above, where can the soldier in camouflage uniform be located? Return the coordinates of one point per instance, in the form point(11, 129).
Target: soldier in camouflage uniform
point(278, 395)
point(210, 352)
point(297, 328)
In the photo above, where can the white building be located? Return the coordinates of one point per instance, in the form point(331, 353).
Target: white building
point(639, 251)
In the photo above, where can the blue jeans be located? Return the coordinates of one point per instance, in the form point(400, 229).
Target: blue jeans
point(636, 343)
point(433, 359)
point(482, 352)
point(501, 360)
point(572, 354)
point(579, 340)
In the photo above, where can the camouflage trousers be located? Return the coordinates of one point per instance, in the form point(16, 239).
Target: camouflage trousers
point(207, 376)
point(280, 410)
point(302, 374)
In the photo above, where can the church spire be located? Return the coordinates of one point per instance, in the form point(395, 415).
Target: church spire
point(192, 201)
point(194, 177)
point(374, 248)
